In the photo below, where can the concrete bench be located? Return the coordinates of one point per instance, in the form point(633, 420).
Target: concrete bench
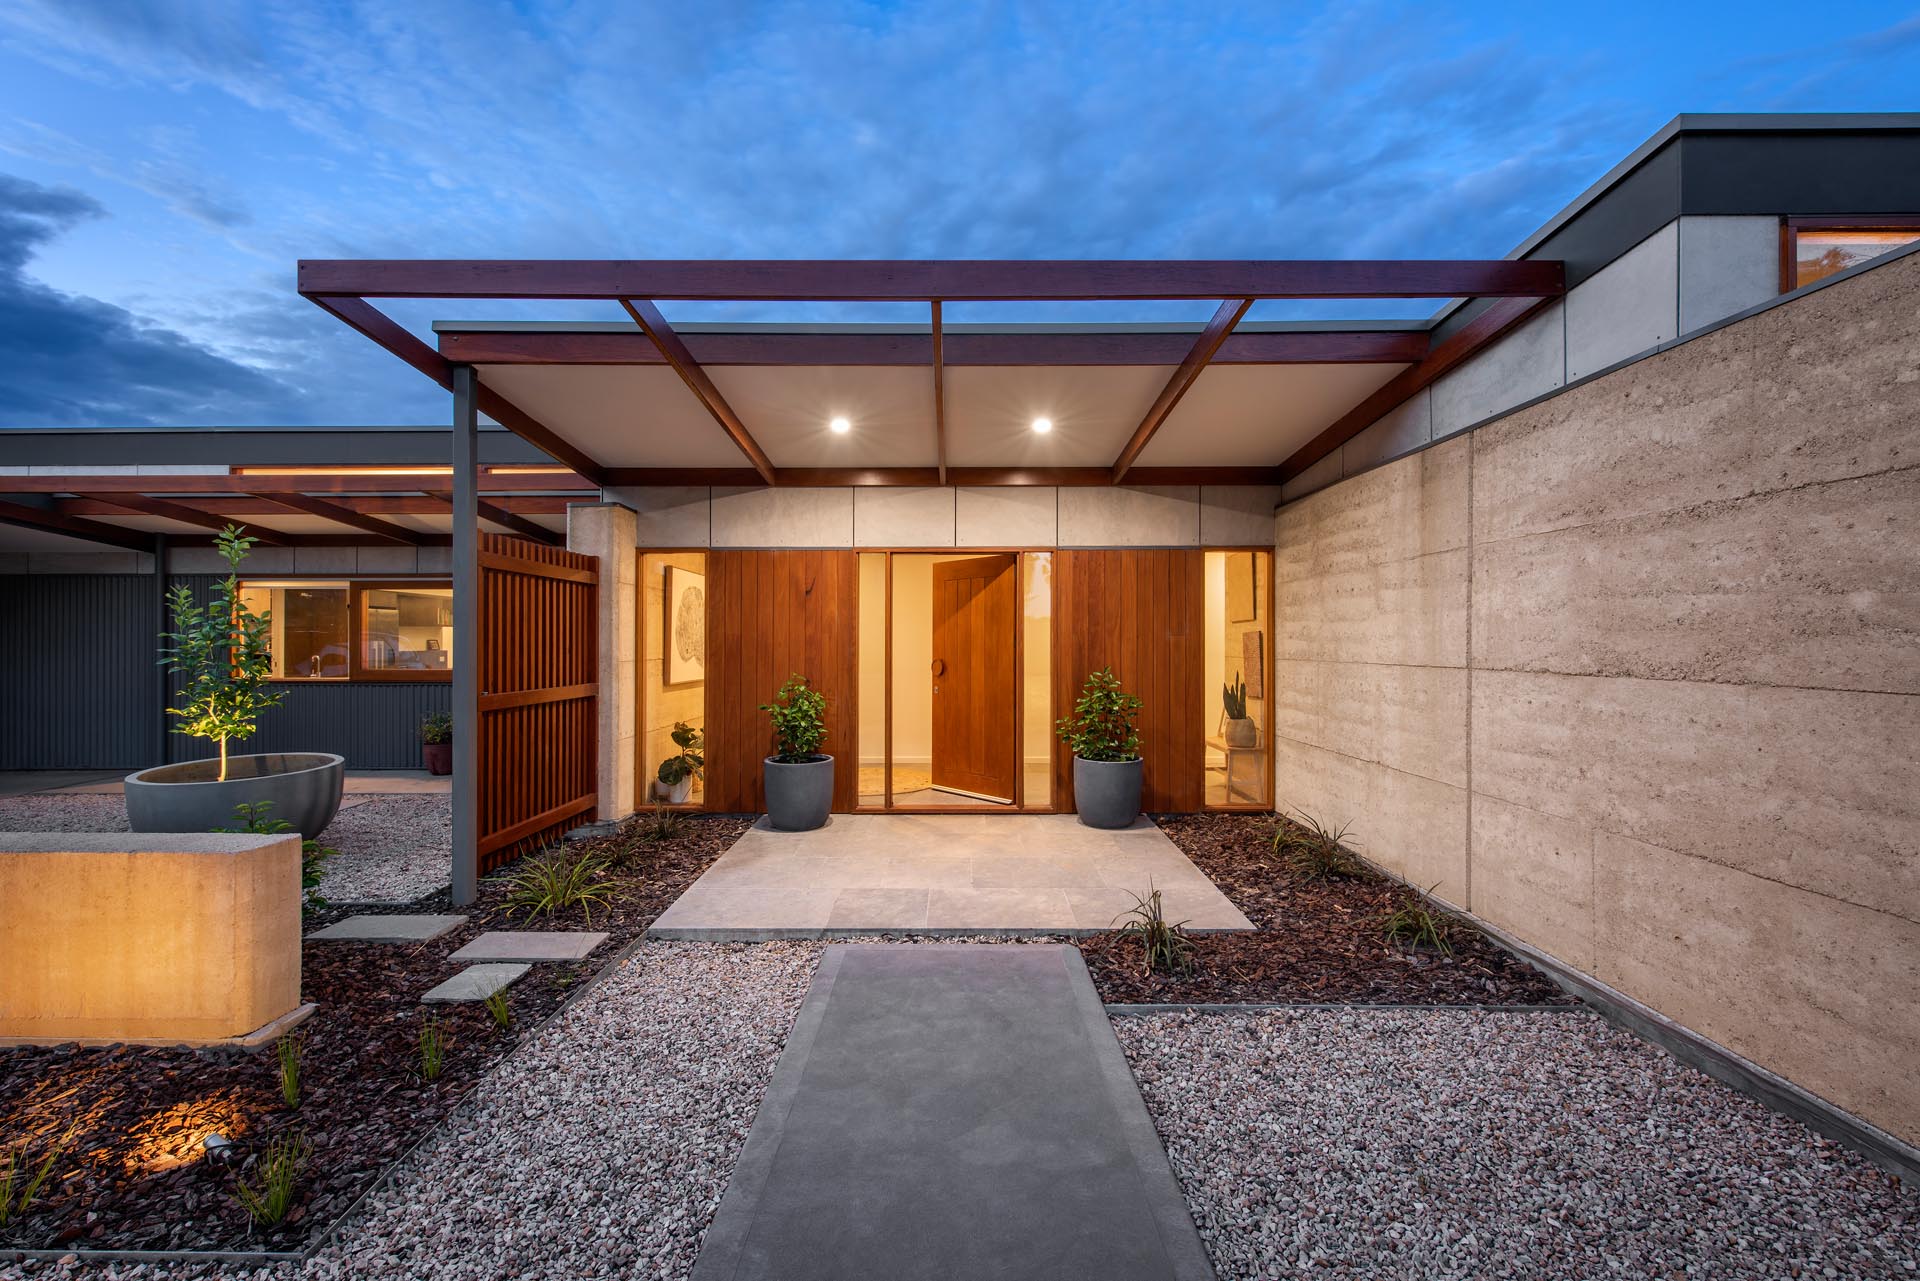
point(154, 937)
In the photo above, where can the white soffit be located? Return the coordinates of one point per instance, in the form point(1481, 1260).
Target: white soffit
point(787, 409)
point(621, 415)
point(1258, 415)
point(990, 413)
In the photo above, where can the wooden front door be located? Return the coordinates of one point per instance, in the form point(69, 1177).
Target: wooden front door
point(975, 607)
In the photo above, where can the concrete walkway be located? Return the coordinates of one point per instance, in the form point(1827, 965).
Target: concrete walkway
point(952, 1111)
point(949, 874)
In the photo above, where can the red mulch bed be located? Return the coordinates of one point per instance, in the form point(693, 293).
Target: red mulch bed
point(134, 1175)
point(1315, 941)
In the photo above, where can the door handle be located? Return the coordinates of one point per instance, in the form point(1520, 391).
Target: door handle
point(939, 667)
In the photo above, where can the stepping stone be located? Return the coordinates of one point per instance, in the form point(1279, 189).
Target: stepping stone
point(388, 929)
point(530, 945)
point(475, 983)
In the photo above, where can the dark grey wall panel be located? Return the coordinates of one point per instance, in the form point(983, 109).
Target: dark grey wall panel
point(80, 686)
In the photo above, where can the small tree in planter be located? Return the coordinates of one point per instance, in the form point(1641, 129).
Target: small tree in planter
point(1106, 751)
point(436, 742)
point(677, 772)
point(221, 652)
point(799, 777)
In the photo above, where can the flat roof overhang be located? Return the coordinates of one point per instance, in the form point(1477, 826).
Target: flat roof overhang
point(649, 402)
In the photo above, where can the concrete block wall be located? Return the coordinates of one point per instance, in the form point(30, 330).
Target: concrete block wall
point(1634, 674)
point(1694, 272)
point(947, 516)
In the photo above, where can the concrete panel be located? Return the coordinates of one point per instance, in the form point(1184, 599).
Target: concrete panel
point(326, 560)
point(1317, 477)
point(1627, 307)
point(1413, 827)
point(206, 560)
point(774, 518)
point(1399, 431)
point(1413, 508)
point(1144, 516)
point(1529, 361)
point(1006, 517)
point(388, 560)
point(147, 936)
point(1814, 587)
point(1824, 993)
point(890, 517)
point(667, 515)
point(434, 560)
point(1745, 776)
point(1533, 877)
point(1727, 264)
point(1237, 515)
point(98, 562)
point(1410, 611)
point(1412, 719)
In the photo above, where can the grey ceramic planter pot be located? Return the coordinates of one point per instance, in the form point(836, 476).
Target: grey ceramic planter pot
point(1107, 793)
point(799, 795)
point(303, 788)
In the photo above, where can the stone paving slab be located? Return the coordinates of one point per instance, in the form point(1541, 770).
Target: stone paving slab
point(475, 983)
point(530, 945)
point(951, 1110)
point(1006, 874)
point(388, 929)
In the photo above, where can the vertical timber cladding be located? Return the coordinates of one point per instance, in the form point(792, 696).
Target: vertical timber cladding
point(1140, 613)
point(771, 614)
point(539, 683)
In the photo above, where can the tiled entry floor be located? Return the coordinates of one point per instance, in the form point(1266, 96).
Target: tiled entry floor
point(941, 874)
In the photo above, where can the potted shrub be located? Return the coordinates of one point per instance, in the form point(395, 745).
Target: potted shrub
point(220, 651)
point(1106, 752)
point(436, 742)
point(799, 776)
point(674, 779)
point(1241, 731)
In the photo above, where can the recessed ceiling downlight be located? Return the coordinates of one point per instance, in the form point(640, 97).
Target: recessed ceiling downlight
point(839, 426)
point(1042, 426)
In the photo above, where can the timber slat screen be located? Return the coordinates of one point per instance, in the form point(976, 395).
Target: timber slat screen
point(539, 682)
point(1140, 613)
point(771, 614)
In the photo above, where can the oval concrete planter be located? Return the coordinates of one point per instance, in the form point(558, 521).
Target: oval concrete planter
point(303, 788)
point(1107, 793)
point(799, 794)
point(1242, 732)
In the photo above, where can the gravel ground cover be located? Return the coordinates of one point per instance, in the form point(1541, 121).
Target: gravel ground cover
point(1471, 1144)
point(393, 849)
point(1315, 941)
point(134, 1177)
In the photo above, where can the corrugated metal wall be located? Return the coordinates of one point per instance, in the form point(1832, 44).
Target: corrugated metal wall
point(79, 686)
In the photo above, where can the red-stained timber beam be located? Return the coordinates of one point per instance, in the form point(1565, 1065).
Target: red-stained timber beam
point(1464, 342)
point(958, 348)
point(93, 531)
point(939, 396)
point(648, 317)
point(922, 280)
point(240, 507)
point(1183, 377)
point(266, 486)
point(369, 320)
point(505, 519)
point(347, 516)
point(179, 512)
point(803, 477)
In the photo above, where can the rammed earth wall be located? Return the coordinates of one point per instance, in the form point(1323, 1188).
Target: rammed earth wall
point(1634, 674)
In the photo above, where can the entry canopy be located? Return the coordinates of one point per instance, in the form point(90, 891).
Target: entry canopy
point(1225, 402)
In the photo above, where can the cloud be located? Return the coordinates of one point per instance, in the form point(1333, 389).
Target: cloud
point(77, 361)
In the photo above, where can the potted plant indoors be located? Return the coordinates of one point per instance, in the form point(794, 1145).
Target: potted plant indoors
point(1241, 731)
point(221, 653)
point(674, 779)
point(799, 776)
point(436, 742)
point(1106, 752)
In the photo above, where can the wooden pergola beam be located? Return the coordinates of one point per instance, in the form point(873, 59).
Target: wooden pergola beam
point(504, 518)
point(93, 531)
point(269, 485)
point(839, 477)
point(240, 507)
point(648, 317)
point(939, 397)
point(1450, 352)
point(347, 516)
point(1183, 377)
point(186, 515)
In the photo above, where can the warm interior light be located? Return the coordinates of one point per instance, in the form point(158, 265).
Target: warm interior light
point(342, 471)
point(528, 471)
point(1042, 425)
point(839, 426)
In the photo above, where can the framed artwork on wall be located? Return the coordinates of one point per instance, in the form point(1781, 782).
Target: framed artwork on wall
point(1242, 594)
point(1253, 659)
point(686, 622)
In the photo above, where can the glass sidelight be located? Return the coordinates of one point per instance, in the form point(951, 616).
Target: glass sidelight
point(673, 670)
point(1237, 643)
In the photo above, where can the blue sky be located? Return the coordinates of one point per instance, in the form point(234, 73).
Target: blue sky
point(163, 166)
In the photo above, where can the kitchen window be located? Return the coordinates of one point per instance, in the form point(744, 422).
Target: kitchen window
point(346, 630)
